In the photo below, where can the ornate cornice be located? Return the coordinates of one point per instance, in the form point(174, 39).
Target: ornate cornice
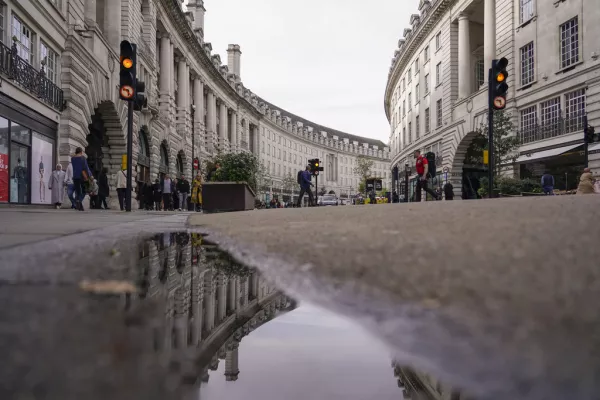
point(410, 46)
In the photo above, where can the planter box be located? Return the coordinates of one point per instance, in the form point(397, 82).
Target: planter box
point(227, 196)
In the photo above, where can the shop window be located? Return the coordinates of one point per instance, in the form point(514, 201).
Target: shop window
point(48, 61)
point(42, 165)
point(4, 168)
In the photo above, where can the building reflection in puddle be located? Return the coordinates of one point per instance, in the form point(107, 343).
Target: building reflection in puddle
point(211, 303)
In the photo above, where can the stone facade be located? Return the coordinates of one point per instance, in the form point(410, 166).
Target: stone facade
point(196, 104)
point(436, 94)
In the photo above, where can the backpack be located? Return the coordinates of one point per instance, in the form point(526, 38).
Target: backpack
point(299, 178)
point(430, 156)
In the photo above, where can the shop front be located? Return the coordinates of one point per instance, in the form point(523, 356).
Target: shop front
point(27, 153)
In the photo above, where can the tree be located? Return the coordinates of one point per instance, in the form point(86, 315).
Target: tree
point(363, 170)
point(506, 143)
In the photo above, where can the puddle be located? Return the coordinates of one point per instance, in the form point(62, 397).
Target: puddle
point(173, 317)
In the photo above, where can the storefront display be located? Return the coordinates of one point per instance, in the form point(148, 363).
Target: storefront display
point(4, 171)
point(42, 166)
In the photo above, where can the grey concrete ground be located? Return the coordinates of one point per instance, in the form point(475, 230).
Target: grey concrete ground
point(30, 225)
point(500, 297)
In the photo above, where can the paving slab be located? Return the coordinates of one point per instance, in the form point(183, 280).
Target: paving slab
point(497, 296)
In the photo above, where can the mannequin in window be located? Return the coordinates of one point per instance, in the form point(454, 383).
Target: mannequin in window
point(20, 175)
point(42, 183)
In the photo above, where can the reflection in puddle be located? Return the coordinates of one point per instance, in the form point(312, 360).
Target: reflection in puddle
point(213, 303)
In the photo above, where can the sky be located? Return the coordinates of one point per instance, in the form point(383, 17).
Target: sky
point(325, 60)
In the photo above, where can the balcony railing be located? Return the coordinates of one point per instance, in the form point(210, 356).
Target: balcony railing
point(35, 82)
point(549, 129)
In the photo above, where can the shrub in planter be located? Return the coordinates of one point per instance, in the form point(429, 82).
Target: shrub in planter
point(234, 167)
point(510, 186)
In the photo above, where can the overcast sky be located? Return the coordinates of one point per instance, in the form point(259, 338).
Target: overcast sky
point(325, 60)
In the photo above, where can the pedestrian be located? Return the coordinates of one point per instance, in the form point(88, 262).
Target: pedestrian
point(586, 182)
point(175, 193)
point(81, 175)
point(103, 188)
point(548, 183)
point(422, 168)
point(56, 184)
point(305, 184)
point(122, 187)
point(70, 186)
point(372, 198)
point(157, 195)
point(449, 191)
point(183, 188)
point(167, 193)
point(93, 192)
point(197, 192)
point(148, 195)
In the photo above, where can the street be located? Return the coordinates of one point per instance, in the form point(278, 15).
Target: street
point(498, 297)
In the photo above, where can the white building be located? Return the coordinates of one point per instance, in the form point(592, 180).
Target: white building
point(59, 75)
point(436, 95)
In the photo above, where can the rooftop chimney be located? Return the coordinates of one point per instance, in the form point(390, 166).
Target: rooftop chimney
point(234, 55)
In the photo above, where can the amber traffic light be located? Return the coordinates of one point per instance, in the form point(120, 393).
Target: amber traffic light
point(498, 86)
point(127, 74)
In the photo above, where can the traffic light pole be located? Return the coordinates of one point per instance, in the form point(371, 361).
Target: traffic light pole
point(585, 142)
point(129, 155)
point(316, 190)
point(490, 134)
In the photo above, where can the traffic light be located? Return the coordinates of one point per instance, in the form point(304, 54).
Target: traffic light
point(127, 76)
point(589, 134)
point(498, 85)
point(315, 166)
point(140, 101)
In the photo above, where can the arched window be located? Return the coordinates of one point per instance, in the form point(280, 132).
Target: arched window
point(179, 165)
point(143, 158)
point(163, 167)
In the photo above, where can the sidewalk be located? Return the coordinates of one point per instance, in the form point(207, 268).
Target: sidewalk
point(20, 226)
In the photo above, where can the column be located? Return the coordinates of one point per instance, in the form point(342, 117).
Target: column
point(223, 126)
point(112, 23)
point(198, 93)
point(165, 48)
point(181, 78)
point(232, 369)
point(256, 139)
point(172, 71)
point(489, 34)
point(234, 129)
point(90, 13)
point(221, 299)
point(464, 57)
point(210, 304)
point(211, 119)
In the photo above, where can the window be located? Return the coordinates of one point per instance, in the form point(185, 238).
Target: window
point(409, 101)
point(417, 127)
point(409, 75)
point(438, 73)
point(439, 113)
point(404, 136)
point(427, 119)
point(479, 73)
point(2, 17)
point(24, 39)
point(525, 10)
point(416, 66)
point(426, 84)
point(50, 59)
point(417, 93)
point(269, 150)
point(569, 43)
point(527, 64)
point(528, 120)
point(438, 41)
point(574, 110)
point(263, 147)
point(410, 132)
point(403, 85)
point(426, 54)
point(551, 117)
point(403, 108)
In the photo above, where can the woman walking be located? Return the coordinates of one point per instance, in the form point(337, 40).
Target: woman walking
point(56, 184)
point(197, 192)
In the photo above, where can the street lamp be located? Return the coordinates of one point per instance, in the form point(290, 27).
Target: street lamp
point(407, 172)
point(193, 112)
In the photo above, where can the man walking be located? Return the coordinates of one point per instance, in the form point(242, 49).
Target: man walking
point(305, 185)
point(183, 188)
point(548, 184)
point(167, 195)
point(422, 167)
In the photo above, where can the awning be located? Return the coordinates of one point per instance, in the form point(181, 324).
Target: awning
point(592, 147)
point(539, 155)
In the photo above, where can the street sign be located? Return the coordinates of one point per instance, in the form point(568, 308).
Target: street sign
point(486, 157)
point(196, 164)
point(124, 161)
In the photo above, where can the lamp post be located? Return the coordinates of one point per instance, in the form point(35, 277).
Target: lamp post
point(406, 176)
point(193, 112)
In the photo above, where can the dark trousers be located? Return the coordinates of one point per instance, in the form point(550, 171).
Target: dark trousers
point(422, 185)
point(102, 202)
point(79, 192)
point(157, 205)
point(311, 201)
point(168, 201)
point(121, 194)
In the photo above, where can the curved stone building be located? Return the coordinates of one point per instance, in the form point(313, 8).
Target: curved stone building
point(436, 94)
point(59, 92)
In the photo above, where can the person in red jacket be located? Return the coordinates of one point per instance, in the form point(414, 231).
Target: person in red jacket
point(422, 170)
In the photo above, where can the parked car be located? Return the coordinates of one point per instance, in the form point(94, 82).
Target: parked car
point(328, 200)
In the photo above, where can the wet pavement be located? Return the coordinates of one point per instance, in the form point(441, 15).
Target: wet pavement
point(170, 316)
